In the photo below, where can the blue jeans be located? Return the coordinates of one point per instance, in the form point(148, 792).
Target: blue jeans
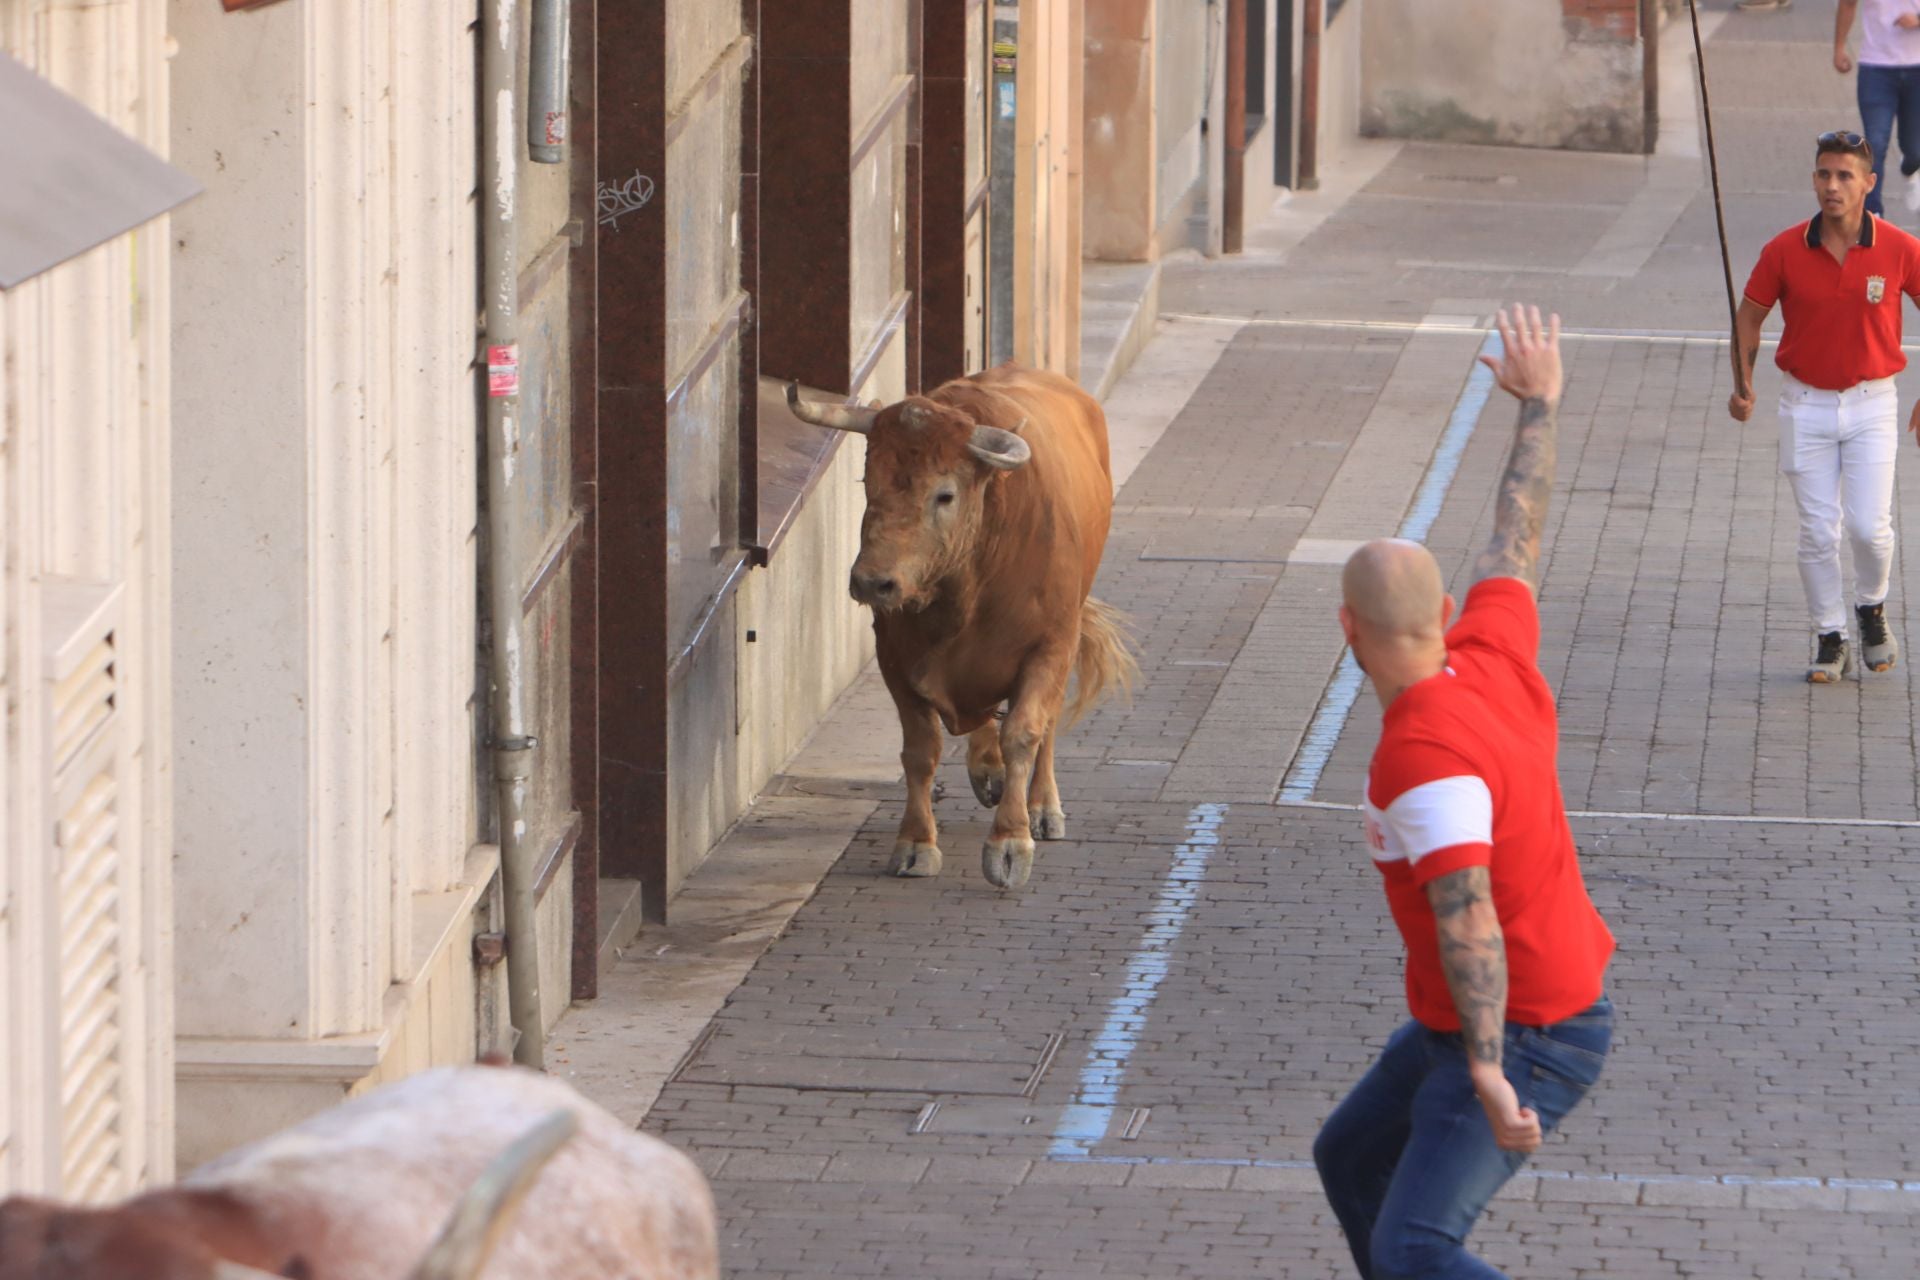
point(1408, 1160)
point(1887, 95)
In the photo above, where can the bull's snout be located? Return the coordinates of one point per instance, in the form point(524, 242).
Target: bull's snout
point(879, 590)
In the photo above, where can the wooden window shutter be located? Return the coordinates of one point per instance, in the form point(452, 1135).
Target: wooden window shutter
point(91, 948)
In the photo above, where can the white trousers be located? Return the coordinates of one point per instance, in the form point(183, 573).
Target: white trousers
point(1837, 449)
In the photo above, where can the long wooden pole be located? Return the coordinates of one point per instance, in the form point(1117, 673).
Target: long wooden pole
point(1719, 213)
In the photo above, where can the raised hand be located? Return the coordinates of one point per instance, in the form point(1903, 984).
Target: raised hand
point(1529, 367)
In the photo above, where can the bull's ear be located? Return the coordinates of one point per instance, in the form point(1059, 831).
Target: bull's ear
point(1001, 450)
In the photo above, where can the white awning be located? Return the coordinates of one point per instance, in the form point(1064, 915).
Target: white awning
point(68, 179)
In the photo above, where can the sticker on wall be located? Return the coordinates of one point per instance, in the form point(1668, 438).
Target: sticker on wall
point(503, 370)
point(1006, 99)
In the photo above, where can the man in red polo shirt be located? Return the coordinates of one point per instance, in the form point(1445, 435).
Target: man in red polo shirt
point(1838, 279)
point(1506, 955)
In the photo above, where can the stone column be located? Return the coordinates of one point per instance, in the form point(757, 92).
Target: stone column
point(281, 865)
point(1121, 154)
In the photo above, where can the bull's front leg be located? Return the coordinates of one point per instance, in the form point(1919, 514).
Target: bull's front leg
point(916, 851)
point(1007, 859)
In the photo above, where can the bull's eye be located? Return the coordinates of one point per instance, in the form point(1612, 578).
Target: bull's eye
point(943, 498)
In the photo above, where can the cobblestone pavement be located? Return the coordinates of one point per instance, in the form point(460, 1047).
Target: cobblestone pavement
point(1117, 1072)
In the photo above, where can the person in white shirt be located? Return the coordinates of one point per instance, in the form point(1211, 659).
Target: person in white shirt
point(1888, 86)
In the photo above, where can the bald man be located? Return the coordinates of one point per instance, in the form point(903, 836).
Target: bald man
point(1506, 955)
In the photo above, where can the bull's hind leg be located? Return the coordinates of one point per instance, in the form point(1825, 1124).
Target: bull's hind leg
point(1045, 816)
point(916, 851)
point(1007, 859)
point(986, 768)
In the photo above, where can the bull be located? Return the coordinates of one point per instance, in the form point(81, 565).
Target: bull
point(988, 503)
point(448, 1175)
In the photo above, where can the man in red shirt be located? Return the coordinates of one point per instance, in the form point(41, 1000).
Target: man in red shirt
point(1838, 279)
point(1506, 955)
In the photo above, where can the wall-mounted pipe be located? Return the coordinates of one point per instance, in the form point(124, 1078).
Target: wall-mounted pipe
point(1313, 21)
point(547, 83)
point(1234, 179)
point(1649, 75)
point(512, 745)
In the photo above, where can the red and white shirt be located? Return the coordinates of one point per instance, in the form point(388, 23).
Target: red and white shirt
point(1842, 319)
point(1464, 776)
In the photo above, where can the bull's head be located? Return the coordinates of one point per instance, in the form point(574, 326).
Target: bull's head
point(928, 466)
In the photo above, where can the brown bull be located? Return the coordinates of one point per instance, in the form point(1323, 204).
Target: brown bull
point(452, 1174)
point(987, 510)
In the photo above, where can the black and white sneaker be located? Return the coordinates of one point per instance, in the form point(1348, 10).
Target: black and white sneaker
point(1833, 662)
point(1877, 647)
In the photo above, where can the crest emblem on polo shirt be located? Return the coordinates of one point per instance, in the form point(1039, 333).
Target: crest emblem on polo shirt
point(1876, 288)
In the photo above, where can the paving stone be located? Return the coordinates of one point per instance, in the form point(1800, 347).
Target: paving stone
point(1077, 1174)
point(1689, 1193)
point(772, 1166)
point(1196, 1176)
point(1286, 1181)
point(1587, 1191)
point(872, 1167)
point(1813, 1196)
point(998, 1171)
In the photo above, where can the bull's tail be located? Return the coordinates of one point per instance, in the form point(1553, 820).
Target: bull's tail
point(1105, 662)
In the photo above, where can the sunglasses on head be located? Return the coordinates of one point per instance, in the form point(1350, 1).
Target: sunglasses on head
point(1843, 140)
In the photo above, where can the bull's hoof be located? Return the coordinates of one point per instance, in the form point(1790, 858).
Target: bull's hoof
point(989, 785)
point(912, 858)
point(1048, 824)
point(1007, 862)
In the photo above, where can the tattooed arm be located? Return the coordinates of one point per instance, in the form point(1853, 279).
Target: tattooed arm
point(1529, 369)
point(1473, 952)
point(1746, 349)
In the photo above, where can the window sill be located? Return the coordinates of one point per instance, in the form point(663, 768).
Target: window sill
point(793, 457)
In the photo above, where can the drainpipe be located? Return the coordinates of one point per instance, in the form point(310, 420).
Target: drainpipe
point(1312, 20)
point(512, 746)
point(547, 83)
point(1234, 180)
point(1649, 74)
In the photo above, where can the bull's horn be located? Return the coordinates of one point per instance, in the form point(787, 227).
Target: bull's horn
point(485, 1210)
point(840, 417)
point(1002, 450)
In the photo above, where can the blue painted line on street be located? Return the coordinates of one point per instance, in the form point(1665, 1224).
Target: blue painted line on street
point(1330, 721)
point(1086, 1120)
point(1432, 494)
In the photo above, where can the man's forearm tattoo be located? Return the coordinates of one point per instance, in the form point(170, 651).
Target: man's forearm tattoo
point(1520, 513)
point(1473, 952)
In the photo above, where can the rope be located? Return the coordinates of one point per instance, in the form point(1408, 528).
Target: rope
point(1719, 213)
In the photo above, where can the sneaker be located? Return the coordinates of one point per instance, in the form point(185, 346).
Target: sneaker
point(1832, 663)
point(1910, 194)
point(1877, 647)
